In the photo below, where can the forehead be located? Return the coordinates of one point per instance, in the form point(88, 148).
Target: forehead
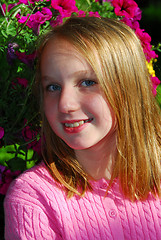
point(60, 55)
point(58, 46)
point(60, 49)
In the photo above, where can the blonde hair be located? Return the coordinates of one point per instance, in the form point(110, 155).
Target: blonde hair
point(122, 72)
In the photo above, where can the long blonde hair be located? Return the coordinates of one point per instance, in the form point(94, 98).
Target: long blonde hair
point(122, 72)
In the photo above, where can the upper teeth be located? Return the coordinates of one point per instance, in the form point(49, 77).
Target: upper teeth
point(75, 124)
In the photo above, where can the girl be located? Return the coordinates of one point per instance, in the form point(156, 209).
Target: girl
point(100, 175)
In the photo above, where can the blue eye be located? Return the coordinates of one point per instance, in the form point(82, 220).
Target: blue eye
point(88, 83)
point(53, 88)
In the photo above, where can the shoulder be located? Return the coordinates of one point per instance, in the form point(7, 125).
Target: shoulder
point(30, 206)
point(34, 186)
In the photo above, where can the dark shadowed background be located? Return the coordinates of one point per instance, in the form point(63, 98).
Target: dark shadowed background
point(151, 22)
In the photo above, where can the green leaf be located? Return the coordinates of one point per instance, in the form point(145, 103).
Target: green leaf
point(11, 30)
point(15, 13)
point(10, 152)
point(16, 163)
point(4, 155)
point(30, 164)
point(83, 4)
point(4, 33)
point(158, 97)
point(21, 7)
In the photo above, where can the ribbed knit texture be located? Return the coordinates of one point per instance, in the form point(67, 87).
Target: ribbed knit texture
point(36, 208)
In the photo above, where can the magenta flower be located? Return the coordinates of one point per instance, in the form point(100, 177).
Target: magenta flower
point(137, 14)
point(35, 20)
point(58, 21)
point(47, 13)
point(27, 59)
point(6, 177)
point(155, 83)
point(94, 14)
point(90, 14)
point(145, 41)
point(1, 132)
point(133, 22)
point(65, 7)
point(19, 81)
point(33, 1)
point(10, 6)
point(81, 13)
point(125, 8)
point(30, 136)
point(23, 82)
point(24, 2)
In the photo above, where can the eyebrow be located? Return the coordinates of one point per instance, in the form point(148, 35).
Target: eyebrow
point(47, 78)
point(75, 74)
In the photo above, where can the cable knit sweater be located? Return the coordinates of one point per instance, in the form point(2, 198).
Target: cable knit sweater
point(36, 208)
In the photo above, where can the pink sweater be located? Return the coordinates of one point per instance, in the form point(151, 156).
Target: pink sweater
point(36, 208)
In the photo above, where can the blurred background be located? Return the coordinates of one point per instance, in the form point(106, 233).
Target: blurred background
point(151, 22)
point(151, 18)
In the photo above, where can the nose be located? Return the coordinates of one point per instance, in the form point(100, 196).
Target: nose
point(69, 100)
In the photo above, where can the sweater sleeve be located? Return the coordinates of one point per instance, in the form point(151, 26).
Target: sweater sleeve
point(28, 222)
point(29, 214)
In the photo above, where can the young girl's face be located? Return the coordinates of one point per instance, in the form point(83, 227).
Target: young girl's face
point(74, 104)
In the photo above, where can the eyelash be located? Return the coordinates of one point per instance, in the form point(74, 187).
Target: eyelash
point(55, 87)
point(89, 83)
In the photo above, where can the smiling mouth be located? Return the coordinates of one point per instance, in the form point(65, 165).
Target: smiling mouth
point(77, 123)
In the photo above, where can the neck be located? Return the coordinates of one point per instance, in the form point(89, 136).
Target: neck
point(98, 160)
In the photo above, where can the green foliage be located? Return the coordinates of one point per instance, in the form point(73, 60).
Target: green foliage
point(17, 102)
point(16, 158)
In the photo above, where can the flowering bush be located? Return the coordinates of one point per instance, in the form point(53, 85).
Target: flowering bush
point(6, 177)
point(21, 23)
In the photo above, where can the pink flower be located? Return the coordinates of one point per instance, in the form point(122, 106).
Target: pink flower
point(35, 20)
point(6, 177)
point(155, 83)
point(30, 136)
point(58, 21)
point(133, 22)
point(65, 7)
point(10, 6)
point(94, 14)
point(23, 82)
point(81, 13)
point(90, 14)
point(33, 1)
point(128, 22)
point(27, 59)
point(1, 132)
point(125, 8)
point(137, 14)
point(24, 2)
point(145, 41)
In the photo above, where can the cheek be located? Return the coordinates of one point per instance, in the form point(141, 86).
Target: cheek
point(100, 108)
point(49, 108)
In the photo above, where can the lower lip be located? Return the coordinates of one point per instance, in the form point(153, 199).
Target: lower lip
point(75, 129)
